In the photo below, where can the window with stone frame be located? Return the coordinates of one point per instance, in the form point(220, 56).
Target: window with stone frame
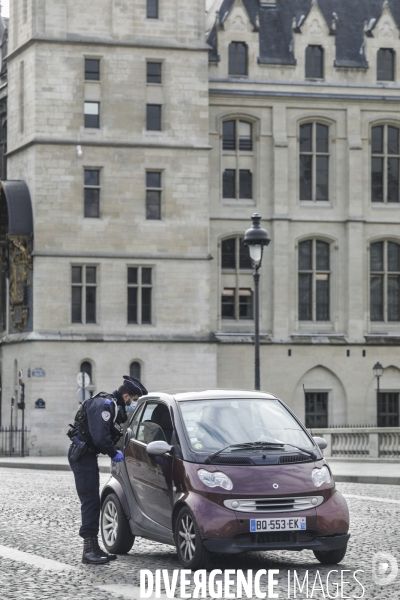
point(83, 293)
point(135, 370)
point(140, 287)
point(385, 64)
point(86, 367)
point(314, 62)
point(152, 9)
point(314, 162)
point(237, 184)
point(385, 281)
point(153, 117)
point(92, 69)
point(153, 194)
point(388, 409)
point(92, 115)
point(316, 409)
point(237, 59)
point(236, 277)
point(237, 135)
point(153, 71)
point(385, 157)
point(314, 276)
point(91, 193)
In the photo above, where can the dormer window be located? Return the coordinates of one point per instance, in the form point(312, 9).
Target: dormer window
point(314, 62)
point(385, 63)
point(237, 58)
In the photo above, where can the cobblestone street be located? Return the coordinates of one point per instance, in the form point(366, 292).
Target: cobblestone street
point(40, 515)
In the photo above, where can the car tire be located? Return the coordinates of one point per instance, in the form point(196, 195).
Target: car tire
point(192, 553)
point(330, 557)
point(115, 529)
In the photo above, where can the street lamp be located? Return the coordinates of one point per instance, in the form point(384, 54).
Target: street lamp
point(378, 372)
point(256, 238)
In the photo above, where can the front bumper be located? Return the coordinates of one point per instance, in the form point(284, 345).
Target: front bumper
point(295, 541)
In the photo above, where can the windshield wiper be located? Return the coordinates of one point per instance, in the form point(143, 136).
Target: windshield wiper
point(244, 446)
point(309, 452)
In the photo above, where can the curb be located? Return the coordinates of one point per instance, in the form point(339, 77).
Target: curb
point(366, 479)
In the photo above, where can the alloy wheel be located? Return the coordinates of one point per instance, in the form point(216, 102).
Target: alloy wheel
point(110, 523)
point(187, 537)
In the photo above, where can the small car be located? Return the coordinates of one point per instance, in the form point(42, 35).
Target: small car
point(224, 471)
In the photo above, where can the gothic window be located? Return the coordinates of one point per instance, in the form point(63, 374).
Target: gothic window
point(314, 62)
point(314, 281)
point(385, 63)
point(385, 155)
point(388, 409)
point(385, 281)
point(237, 294)
point(139, 295)
point(314, 162)
point(237, 58)
point(316, 409)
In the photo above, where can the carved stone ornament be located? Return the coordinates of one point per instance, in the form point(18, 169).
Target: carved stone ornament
point(238, 24)
point(386, 31)
point(20, 267)
point(315, 28)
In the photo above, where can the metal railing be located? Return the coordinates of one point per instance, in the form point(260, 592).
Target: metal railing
point(361, 442)
point(11, 441)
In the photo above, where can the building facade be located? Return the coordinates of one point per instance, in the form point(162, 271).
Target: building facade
point(140, 141)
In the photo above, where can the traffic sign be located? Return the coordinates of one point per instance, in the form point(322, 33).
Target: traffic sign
point(83, 380)
point(83, 394)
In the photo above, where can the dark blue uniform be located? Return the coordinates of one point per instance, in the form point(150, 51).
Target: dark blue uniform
point(102, 414)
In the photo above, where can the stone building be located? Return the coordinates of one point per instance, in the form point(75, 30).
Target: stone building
point(138, 148)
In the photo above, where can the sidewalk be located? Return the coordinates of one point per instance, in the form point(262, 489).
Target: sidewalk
point(360, 471)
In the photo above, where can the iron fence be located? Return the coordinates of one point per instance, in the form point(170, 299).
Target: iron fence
point(11, 441)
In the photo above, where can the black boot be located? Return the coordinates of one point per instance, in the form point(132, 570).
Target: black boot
point(90, 555)
point(102, 552)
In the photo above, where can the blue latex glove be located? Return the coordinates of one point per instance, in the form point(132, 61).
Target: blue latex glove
point(119, 457)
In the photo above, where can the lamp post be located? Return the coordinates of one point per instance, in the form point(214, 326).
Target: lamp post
point(256, 238)
point(378, 371)
point(21, 406)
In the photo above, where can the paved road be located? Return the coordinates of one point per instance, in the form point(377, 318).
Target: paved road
point(39, 519)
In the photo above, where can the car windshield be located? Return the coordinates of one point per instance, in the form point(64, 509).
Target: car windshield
point(214, 424)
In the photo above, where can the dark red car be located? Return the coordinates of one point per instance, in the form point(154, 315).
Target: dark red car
point(222, 471)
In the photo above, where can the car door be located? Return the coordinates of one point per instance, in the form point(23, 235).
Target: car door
point(150, 476)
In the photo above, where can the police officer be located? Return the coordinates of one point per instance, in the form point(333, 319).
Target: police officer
point(98, 432)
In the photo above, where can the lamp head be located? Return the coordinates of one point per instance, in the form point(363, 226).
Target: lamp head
point(256, 238)
point(377, 369)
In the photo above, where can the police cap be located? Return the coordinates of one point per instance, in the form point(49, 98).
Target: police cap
point(134, 386)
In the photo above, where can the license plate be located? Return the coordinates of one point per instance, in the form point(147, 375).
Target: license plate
point(294, 524)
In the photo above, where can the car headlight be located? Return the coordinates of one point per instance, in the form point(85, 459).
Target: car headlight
point(215, 479)
point(320, 476)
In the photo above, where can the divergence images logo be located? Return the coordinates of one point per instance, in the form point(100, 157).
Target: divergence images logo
point(384, 568)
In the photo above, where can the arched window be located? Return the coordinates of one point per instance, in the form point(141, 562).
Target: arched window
point(314, 281)
point(135, 370)
point(385, 281)
point(314, 162)
point(237, 293)
point(237, 58)
point(385, 155)
point(314, 62)
point(86, 367)
point(385, 64)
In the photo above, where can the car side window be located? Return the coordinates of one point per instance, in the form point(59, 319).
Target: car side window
point(134, 422)
point(149, 431)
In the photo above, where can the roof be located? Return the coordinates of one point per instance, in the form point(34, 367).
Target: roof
point(181, 395)
point(275, 34)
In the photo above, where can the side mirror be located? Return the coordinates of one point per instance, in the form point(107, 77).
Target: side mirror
point(128, 436)
point(321, 443)
point(158, 448)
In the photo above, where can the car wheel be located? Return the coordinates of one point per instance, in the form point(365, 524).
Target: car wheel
point(115, 530)
point(330, 557)
point(192, 552)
